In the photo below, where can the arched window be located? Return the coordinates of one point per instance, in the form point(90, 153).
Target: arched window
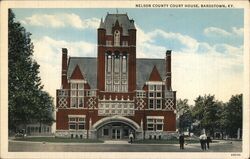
point(124, 64)
point(117, 63)
point(116, 38)
point(109, 61)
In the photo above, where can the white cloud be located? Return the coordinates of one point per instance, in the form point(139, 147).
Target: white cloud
point(60, 21)
point(198, 68)
point(213, 31)
point(187, 41)
point(238, 31)
point(218, 32)
point(47, 52)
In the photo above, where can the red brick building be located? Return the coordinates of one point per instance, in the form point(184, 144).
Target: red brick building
point(115, 93)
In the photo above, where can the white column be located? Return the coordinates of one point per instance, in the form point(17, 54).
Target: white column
point(90, 124)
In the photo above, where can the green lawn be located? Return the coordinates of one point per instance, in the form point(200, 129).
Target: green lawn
point(164, 141)
point(54, 139)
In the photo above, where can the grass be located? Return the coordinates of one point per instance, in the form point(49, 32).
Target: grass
point(164, 141)
point(58, 140)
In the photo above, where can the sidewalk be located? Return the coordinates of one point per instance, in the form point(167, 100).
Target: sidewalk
point(116, 142)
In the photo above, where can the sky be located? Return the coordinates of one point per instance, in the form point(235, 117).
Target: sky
point(206, 44)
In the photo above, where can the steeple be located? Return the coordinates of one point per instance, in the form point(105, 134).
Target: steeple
point(101, 24)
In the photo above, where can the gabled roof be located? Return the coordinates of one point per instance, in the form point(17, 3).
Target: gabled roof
point(88, 66)
point(77, 73)
point(123, 20)
point(144, 68)
point(155, 76)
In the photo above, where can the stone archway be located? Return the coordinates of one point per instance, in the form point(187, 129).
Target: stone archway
point(115, 127)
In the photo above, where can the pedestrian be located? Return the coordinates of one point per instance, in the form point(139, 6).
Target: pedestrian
point(201, 142)
point(208, 141)
point(131, 137)
point(181, 141)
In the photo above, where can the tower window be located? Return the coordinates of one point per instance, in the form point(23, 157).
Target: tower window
point(124, 43)
point(116, 38)
point(108, 43)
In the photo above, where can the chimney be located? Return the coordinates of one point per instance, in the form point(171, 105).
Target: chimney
point(64, 67)
point(168, 70)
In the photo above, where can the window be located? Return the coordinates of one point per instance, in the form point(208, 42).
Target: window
point(150, 127)
point(72, 119)
point(62, 92)
point(73, 93)
point(124, 43)
point(124, 64)
point(73, 86)
point(80, 101)
point(159, 124)
point(158, 104)
point(158, 87)
point(151, 104)
point(155, 123)
point(108, 42)
point(151, 94)
point(140, 94)
point(151, 88)
point(117, 38)
point(73, 102)
point(117, 63)
point(77, 95)
point(76, 123)
point(81, 93)
point(72, 126)
point(81, 126)
point(91, 93)
point(155, 96)
point(105, 132)
point(158, 94)
point(109, 60)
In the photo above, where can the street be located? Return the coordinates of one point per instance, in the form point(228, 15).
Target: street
point(20, 146)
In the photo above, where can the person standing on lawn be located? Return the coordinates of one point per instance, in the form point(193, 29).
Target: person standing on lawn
point(131, 137)
point(181, 141)
point(208, 140)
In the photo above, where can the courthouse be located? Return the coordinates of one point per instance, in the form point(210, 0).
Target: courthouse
point(115, 93)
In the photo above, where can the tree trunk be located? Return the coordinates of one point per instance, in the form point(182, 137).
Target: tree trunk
point(40, 127)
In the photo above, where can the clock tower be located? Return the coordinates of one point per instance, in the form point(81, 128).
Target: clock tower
point(116, 54)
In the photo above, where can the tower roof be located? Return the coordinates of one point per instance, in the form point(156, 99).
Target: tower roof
point(123, 21)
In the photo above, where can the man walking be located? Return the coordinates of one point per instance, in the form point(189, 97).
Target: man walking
point(181, 141)
point(203, 141)
point(131, 137)
point(208, 141)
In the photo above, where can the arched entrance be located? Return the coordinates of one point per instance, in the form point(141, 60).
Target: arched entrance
point(115, 127)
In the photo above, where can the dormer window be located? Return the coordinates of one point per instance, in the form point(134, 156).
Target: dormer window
point(117, 38)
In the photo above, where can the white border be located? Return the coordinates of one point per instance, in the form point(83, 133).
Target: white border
point(111, 4)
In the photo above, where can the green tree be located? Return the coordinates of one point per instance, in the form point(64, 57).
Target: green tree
point(23, 80)
point(207, 112)
point(45, 109)
point(184, 114)
point(231, 118)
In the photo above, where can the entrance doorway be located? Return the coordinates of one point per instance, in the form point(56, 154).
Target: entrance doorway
point(114, 131)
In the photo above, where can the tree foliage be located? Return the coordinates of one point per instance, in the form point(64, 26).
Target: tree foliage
point(184, 114)
point(24, 83)
point(231, 118)
point(213, 115)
